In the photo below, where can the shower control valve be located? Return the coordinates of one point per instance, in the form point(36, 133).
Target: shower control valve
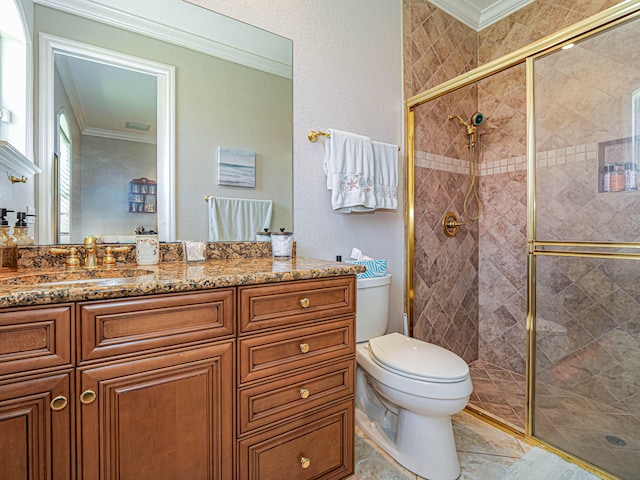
point(450, 223)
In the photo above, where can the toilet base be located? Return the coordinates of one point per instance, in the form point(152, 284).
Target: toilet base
point(423, 445)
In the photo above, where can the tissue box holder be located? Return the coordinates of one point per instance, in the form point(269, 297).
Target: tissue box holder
point(375, 268)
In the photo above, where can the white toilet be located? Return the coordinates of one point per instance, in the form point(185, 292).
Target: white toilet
point(406, 390)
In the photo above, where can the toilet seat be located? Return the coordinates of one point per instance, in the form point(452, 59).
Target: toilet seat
point(418, 360)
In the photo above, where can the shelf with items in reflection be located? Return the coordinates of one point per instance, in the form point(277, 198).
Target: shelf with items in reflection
point(143, 195)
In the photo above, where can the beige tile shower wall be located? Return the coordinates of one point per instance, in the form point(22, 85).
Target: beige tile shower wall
point(437, 47)
point(533, 22)
point(445, 269)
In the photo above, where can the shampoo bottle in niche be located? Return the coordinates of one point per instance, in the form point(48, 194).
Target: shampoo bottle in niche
point(8, 246)
point(147, 247)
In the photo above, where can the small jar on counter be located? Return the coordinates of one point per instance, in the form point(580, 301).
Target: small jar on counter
point(617, 177)
point(282, 244)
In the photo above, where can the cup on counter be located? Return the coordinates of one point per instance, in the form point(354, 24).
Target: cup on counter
point(194, 251)
point(282, 244)
point(147, 249)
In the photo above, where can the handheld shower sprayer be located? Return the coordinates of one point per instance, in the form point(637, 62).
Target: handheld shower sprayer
point(476, 120)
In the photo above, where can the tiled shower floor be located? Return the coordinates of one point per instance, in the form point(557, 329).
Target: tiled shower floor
point(499, 393)
point(583, 427)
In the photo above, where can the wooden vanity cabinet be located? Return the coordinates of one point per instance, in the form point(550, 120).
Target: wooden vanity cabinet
point(296, 380)
point(251, 382)
point(36, 385)
point(166, 416)
point(156, 387)
point(36, 427)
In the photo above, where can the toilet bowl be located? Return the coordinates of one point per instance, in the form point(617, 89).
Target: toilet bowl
point(406, 392)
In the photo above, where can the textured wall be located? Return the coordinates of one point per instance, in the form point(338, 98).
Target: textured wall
point(347, 74)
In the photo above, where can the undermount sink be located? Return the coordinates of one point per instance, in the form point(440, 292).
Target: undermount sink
point(71, 277)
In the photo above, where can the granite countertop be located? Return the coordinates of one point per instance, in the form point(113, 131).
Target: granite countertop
point(39, 286)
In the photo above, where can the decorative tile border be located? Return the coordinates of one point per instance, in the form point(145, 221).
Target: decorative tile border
point(560, 156)
point(440, 162)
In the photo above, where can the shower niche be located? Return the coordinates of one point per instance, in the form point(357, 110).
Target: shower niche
point(618, 165)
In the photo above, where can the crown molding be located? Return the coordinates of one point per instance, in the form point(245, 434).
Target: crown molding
point(115, 135)
point(479, 18)
point(137, 24)
point(15, 162)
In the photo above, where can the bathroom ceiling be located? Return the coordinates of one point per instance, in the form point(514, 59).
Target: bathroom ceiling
point(479, 14)
point(105, 97)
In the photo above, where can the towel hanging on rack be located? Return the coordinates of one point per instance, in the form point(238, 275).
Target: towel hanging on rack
point(361, 174)
point(385, 174)
point(348, 164)
point(237, 219)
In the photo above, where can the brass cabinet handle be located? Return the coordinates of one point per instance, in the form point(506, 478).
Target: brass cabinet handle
point(304, 393)
point(304, 347)
point(305, 462)
point(87, 397)
point(305, 302)
point(59, 403)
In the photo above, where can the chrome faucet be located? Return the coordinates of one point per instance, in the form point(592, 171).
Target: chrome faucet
point(90, 259)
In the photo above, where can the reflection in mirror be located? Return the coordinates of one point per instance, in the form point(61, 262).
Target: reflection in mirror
point(104, 142)
point(230, 103)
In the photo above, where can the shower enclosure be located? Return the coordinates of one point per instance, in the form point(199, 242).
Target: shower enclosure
point(540, 294)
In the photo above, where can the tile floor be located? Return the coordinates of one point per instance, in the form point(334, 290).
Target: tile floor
point(485, 453)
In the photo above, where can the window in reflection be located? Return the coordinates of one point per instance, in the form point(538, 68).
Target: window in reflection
point(64, 178)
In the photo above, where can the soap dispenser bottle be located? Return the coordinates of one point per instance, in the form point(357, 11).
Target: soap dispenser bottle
point(21, 230)
point(8, 248)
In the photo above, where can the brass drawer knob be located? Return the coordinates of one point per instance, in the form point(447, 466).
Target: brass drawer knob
point(87, 397)
point(305, 462)
point(304, 347)
point(304, 393)
point(305, 302)
point(59, 403)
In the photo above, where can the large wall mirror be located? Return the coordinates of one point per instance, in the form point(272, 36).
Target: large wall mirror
point(128, 94)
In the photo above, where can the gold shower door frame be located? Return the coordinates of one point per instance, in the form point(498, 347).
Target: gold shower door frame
point(604, 20)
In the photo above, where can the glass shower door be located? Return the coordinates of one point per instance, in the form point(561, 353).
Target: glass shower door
point(586, 250)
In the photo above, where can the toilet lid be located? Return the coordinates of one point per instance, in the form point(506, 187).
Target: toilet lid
point(414, 358)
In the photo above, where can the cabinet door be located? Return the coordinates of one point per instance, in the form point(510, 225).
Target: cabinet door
point(35, 428)
point(164, 417)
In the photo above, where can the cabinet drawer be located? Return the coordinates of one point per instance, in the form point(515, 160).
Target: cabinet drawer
point(265, 355)
point(270, 306)
point(129, 326)
point(324, 438)
point(286, 398)
point(33, 338)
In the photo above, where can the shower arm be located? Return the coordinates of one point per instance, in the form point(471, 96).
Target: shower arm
point(471, 129)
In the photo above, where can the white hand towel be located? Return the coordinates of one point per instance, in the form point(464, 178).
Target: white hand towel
point(237, 219)
point(385, 165)
point(348, 164)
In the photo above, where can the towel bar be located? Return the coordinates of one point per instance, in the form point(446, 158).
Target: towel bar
point(314, 134)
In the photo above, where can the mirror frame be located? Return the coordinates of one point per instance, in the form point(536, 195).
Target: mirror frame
point(49, 45)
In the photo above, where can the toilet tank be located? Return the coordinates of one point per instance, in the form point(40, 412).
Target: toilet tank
point(372, 314)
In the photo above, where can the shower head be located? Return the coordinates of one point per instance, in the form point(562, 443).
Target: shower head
point(477, 118)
